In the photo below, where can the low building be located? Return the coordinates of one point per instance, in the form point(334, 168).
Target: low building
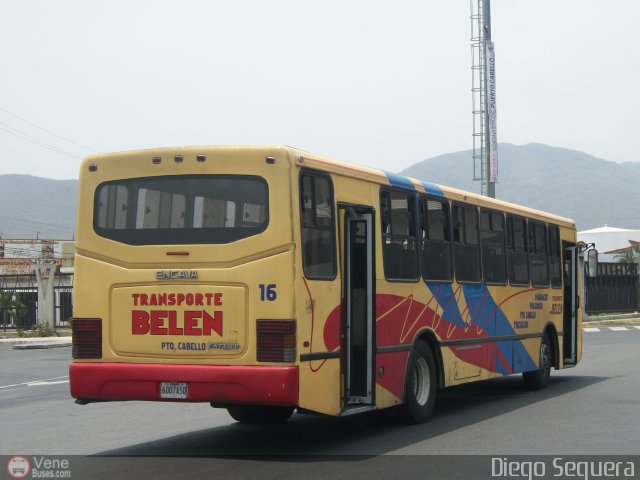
point(610, 241)
point(18, 257)
point(26, 270)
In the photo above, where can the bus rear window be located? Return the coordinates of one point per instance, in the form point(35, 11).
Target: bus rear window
point(187, 209)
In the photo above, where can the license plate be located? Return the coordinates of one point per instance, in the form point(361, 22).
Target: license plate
point(174, 390)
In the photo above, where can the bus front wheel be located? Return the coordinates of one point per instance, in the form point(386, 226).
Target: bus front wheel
point(540, 378)
point(420, 385)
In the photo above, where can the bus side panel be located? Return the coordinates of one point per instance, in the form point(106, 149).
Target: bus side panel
point(523, 313)
point(319, 315)
point(391, 368)
point(467, 318)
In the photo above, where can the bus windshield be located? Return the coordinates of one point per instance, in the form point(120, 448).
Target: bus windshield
point(184, 209)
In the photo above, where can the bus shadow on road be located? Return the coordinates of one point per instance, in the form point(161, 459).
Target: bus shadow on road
point(360, 435)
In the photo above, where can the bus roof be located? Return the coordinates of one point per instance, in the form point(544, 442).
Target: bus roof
point(409, 183)
point(306, 159)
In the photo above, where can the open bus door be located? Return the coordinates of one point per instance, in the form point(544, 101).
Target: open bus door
point(359, 301)
point(571, 304)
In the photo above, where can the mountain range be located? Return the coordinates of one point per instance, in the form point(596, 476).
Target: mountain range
point(592, 191)
point(34, 207)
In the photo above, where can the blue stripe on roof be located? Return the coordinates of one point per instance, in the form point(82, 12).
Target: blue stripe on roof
point(404, 182)
point(432, 188)
point(399, 181)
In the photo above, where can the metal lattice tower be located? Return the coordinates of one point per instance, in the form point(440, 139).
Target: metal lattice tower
point(478, 95)
point(480, 34)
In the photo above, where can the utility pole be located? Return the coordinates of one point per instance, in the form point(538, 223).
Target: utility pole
point(483, 88)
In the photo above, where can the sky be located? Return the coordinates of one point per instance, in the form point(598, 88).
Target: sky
point(378, 83)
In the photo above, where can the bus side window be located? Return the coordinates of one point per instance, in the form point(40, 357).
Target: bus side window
point(517, 255)
point(317, 225)
point(400, 256)
point(538, 260)
point(494, 257)
point(466, 247)
point(436, 240)
point(555, 259)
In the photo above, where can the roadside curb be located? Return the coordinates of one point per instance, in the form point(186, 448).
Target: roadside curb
point(36, 343)
point(604, 318)
point(620, 319)
point(13, 335)
point(604, 323)
point(40, 346)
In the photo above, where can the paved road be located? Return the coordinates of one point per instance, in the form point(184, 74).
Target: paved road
point(591, 409)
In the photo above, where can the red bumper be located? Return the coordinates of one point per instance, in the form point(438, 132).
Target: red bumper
point(221, 384)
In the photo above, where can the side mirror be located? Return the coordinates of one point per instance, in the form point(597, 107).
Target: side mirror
point(592, 262)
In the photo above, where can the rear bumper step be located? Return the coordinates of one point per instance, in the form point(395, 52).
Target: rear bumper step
point(233, 385)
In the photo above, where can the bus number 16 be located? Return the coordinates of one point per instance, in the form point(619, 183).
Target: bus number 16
point(268, 292)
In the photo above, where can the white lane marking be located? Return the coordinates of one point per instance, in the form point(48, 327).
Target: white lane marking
point(591, 329)
point(618, 329)
point(46, 381)
point(36, 384)
point(637, 326)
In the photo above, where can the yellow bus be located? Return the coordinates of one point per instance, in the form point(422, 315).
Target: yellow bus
point(267, 279)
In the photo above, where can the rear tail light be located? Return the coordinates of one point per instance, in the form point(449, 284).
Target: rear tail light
point(87, 337)
point(276, 340)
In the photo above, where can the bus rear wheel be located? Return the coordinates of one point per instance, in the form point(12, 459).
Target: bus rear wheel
point(242, 414)
point(273, 414)
point(261, 414)
point(420, 385)
point(540, 378)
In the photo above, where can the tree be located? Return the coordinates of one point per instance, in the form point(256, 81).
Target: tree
point(11, 309)
point(629, 255)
